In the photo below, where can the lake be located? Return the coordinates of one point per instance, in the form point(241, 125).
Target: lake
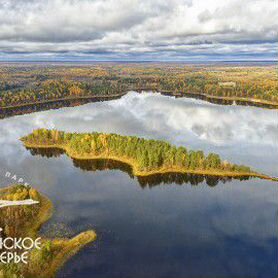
point(168, 226)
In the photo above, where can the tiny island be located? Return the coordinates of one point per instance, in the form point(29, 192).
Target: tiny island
point(23, 221)
point(146, 157)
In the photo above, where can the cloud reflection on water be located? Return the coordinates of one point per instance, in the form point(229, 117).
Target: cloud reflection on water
point(218, 220)
point(237, 133)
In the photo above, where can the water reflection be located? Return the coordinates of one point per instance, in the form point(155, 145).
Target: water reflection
point(241, 135)
point(144, 181)
point(51, 152)
point(228, 231)
point(151, 180)
point(180, 179)
point(55, 104)
point(221, 101)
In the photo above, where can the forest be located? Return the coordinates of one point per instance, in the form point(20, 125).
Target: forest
point(23, 84)
point(146, 156)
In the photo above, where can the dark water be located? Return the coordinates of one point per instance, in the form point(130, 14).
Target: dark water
point(150, 181)
point(170, 226)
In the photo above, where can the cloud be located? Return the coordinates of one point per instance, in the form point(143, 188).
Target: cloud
point(130, 28)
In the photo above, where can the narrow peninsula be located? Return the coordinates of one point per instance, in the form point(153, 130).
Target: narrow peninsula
point(21, 221)
point(146, 157)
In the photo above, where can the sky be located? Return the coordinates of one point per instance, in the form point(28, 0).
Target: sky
point(138, 30)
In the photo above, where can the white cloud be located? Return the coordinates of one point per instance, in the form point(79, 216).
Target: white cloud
point(133, 26)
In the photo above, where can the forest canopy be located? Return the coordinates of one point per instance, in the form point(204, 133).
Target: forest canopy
point(145, 155)
point(31, 84)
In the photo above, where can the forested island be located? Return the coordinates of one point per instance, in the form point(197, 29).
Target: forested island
point(25, 221)
point(146, 157)
point(28, 84)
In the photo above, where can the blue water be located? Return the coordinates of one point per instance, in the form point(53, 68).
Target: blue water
point(168, 230)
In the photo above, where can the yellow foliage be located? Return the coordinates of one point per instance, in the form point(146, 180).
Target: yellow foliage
point(75, 91)
point(33, 193)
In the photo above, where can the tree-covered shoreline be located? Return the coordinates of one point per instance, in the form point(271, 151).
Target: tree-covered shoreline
point(25, 85)
point(145, 156)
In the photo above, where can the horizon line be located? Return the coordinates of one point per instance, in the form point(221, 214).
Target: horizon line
point(134, 61)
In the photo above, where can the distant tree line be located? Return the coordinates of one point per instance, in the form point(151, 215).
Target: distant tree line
point(17, 87)
point(52, 89)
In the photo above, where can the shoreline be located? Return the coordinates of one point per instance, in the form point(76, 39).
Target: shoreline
point(140, 173)
point(61, 249)
point(241, 99)
point(206, 97)
point(62, 99)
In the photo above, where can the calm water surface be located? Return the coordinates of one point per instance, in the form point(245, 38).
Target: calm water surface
point(168, 227)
